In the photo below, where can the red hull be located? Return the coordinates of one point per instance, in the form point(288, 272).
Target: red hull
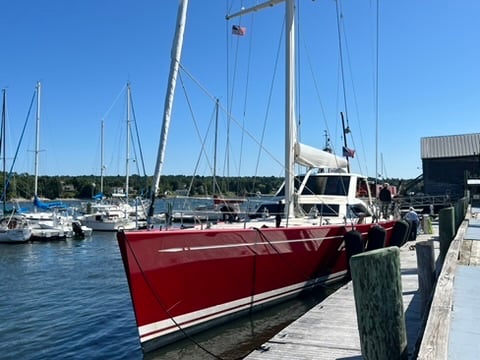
point(181, 280)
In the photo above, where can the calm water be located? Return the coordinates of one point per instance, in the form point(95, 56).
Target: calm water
point(66, 299)
point(70, 299)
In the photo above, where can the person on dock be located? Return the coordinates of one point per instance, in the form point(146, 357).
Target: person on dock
point(412, 217)
point(385, 197)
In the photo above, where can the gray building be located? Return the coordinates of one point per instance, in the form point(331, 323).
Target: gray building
point(448, 161)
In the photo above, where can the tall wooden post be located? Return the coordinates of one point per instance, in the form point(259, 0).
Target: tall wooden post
point(377, 288)
point(446, 229)
point(426, 271)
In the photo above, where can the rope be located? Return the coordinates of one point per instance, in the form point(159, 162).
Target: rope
point(164, 308)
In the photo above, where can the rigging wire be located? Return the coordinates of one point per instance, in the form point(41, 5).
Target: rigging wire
point(137, 143)
point(232, 117)
point(269, 102)
point(114, 101)
point(230, 97)
point(10, 174)
point(342, 46)
point(355, 98)
point(345, 130)
point(197, 130)
point(252, 18)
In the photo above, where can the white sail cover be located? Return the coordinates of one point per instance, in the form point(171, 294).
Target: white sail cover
point(315, 158)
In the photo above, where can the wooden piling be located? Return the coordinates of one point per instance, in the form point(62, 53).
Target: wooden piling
point(446, 229)
point(426, 272)
point(377, 289)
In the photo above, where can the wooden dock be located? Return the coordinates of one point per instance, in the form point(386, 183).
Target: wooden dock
point(330, 330)
point(452, 330)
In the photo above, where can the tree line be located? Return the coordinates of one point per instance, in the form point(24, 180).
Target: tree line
point(21, 186)
point(86, 186)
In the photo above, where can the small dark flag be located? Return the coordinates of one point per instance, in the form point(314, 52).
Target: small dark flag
point(348, 152)
point(239, 30)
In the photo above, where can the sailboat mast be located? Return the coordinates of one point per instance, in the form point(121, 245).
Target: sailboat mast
point(37, 140)
point(127, 175)
point(345, 130)
point(102, 166)
point(290, 125)
point(214, 179)
point(3, 139)
point(172, 81)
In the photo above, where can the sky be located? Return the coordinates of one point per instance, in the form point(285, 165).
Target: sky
point(415, 75)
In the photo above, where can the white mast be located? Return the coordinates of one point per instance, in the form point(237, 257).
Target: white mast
point(102, 166)
point(172, 80)
point(290, 123)
point(128, 141)
point(37, 140)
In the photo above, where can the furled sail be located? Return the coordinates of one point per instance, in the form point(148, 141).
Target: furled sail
point(309, 156)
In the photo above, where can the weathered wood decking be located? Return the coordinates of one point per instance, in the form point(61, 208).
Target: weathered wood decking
point(452, 330)
point(330, 330)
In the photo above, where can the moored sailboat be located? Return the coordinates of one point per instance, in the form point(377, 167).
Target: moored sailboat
point(48, 221)
point(116, 212)
point(14, 228)
point(185, 280)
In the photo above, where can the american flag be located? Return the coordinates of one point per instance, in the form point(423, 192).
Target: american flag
point(239, 30)
point(348, 152)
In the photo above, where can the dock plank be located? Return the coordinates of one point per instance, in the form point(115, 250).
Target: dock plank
point(437, 330)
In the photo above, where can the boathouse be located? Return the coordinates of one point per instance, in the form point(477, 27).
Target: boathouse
point(448, 161)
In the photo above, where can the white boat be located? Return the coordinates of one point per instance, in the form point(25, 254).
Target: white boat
point(108, 219)
point(115, 213)
point(108, 215)
point(48, 220)
point(14, 229)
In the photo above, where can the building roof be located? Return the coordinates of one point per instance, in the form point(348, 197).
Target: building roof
point(450, 146)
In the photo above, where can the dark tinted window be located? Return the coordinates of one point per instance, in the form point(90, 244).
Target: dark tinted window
point(322, 185)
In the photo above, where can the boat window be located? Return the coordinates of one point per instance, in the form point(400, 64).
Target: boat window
point(356, 210)
point(362, 188)
point(323, 209)
point(322, 185)
point(327, 185)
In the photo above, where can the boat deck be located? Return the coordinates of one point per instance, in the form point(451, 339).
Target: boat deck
point(330, 331)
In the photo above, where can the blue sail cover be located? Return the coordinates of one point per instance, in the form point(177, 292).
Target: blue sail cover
point(98, 196)
point(48, 206)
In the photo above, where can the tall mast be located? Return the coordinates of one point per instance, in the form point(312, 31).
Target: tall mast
point(346, 130)
point(172, 81)
point(290, 124)
point(102, 166)
point(214, 179)
point(37, 140)
point(3, 140)
point(128, 141)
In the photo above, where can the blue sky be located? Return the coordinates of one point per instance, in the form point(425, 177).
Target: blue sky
point(84, 52)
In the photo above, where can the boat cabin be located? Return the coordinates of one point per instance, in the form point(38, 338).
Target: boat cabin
point(331, 195)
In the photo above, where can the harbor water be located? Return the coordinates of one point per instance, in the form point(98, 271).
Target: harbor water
point(70, 299)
